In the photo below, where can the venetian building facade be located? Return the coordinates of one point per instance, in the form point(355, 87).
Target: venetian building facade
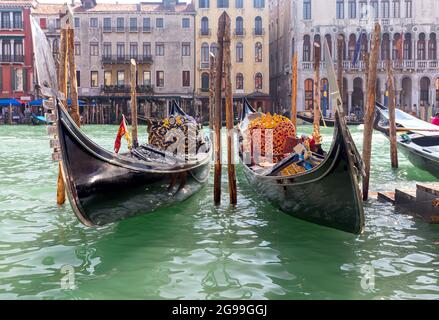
point(415, 22)
point(249, 49)
point(108, 35)
point(16, 50)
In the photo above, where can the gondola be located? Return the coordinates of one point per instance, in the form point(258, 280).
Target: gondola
point(105, 187)
point(328, 194)
point(39, 120)
point(420, 147)
point(329, 122)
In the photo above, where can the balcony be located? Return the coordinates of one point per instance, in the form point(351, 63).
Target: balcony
point(258, 32)
point(12, 26)
point(126, 89)
point(5, 58)
point(205, 32)
point(204, 65)
point(125, 59)
point(239, 32)
point(204, 90)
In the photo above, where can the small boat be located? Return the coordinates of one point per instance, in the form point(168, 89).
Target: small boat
point(327, 195)
point(105, 187)
point(417, 140)
point(329, 122)
point(39, 120)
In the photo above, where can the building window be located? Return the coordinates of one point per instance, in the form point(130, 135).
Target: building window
point(408, 8)
point(239, 81)
point(133, 24)
point(239, 4)
point(78, 78)
point(77, 22)
point(258, 52)
point(186, 49)
point(160, 79)
point(94, 48)
point(408, 46)
point(43, 23)
point(120, 24)
point(120, 50)
point(385, 11)
point(258, 26)
point(309, 94)
point(396, 9)
point(259, 3)
point(222, 3)
point(159, 23)
point(133, 50)
point(77, 49)
point(107, 78)
point(6, 20)
point(18, 50)
point(306, 48)
point(160, 49)
point(375, 13)
point(214, 49)
point(306, 9)
point(205, 81)
point(185, 23)
point(385, 47)
point(432, 47)
point(421, 47)
point(121, 78)
point(239, 26)
point(363, 9)
point(146, 24)
point(58, 23)
point(107, 24)
point(55, 46)
point(205, 52)
point(147, 78)
point(93, 22)
point(107, 50)
point(204, 26)
point(94, 79)
point(17, 19)
point(146, 49)
point(352, 9)
point(340, 9)
point(186, 78)
point(239, 52)
point(258, 81)
point(203, 4)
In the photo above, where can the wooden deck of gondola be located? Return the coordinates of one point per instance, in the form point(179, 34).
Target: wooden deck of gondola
point(422, 202)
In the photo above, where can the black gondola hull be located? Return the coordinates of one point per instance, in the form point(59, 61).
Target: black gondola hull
point(328, 122)
point(104, 188)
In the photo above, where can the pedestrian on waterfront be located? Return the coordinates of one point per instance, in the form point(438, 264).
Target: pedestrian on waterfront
point(414, 110)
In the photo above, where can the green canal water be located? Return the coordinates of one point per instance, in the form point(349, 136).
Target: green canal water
point(197, 251)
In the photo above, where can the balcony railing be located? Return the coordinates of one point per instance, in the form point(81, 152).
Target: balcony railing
point(205, 32)
point(125, 59)
point(11, 26)
point(204, 65)
point(396, 64)
point(258, 31)
point(11, 58)
point(239, 32)
point(126, 89)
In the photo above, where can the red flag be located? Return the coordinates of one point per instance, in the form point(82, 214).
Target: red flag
point(123, 131)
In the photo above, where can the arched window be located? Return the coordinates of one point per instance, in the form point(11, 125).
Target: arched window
point(317, 47)
point(258, 26)
point(432, 47)
point(309, 94)
point(204, 26)
point(239, 26)
point(205, 81)
point(329, 40)
point(306, 48)
point(306, 9)
point(408, 46)
point(364, 45)
point(55, 46)
point(204, 3)
point(239, 52)
point(324, 94)
point(214, 48)
point(258, 52)
point(239, 81)
point(258, 81)
point(351, 46)
point(425, 91)
point(396, 46)
point(343, 39)
point(421, 47)
point(437, 92)
point(204, 52)
point(385, 47)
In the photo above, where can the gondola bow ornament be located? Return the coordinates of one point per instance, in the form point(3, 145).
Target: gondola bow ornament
point(122, 132)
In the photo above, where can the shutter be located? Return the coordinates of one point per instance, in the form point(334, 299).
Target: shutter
point(13, 80)
point(25, 89)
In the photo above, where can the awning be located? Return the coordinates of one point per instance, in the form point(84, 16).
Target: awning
point(39, 103)
point(8, 102)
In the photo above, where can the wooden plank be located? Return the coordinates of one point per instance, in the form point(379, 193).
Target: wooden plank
point(386, 197)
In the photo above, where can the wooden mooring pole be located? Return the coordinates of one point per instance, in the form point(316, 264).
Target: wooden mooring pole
point(229, 111)
point(74, 108)
point(340, 58)
point(294, 90)
point(133, 69)
point(212, 92)
point(218, 108)
point(316, 133)
point(392, 125)
point(370, 108)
